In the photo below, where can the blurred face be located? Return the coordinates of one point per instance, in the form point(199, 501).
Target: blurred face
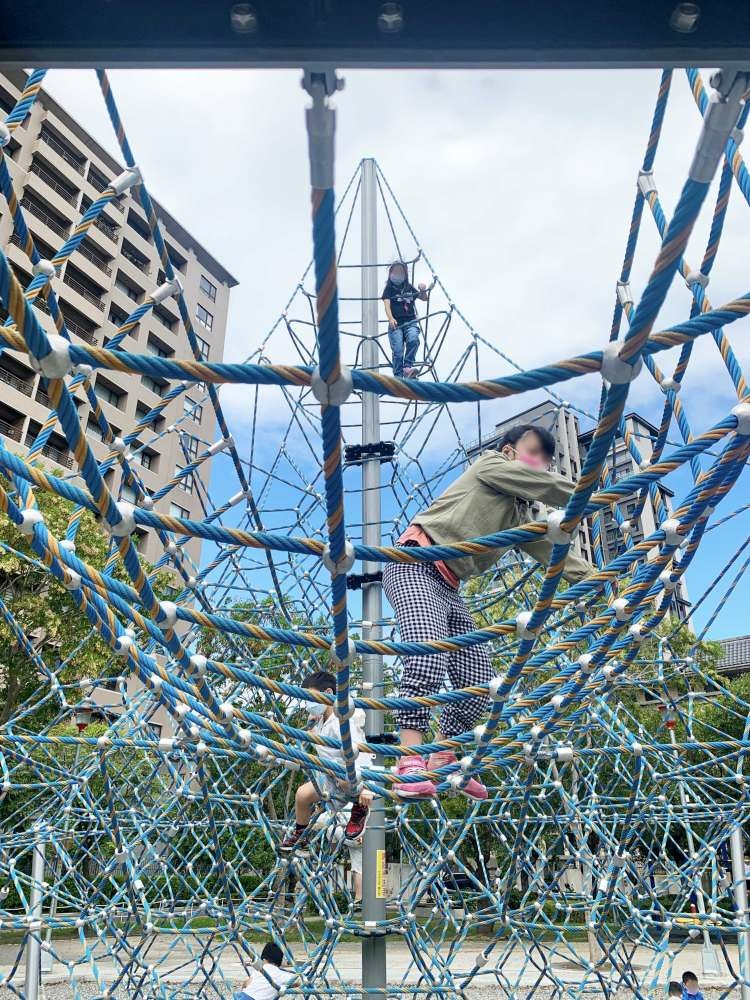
point(316, 710)
point(528, 449)
point(691, 986)
point(398, 275)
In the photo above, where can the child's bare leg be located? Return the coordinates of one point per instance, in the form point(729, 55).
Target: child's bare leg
point(413, 737)
point(306, 797)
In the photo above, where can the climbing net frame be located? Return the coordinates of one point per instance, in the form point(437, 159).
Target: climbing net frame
point(554, 728)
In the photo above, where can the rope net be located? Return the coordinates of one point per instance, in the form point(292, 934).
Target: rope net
point(613, 753)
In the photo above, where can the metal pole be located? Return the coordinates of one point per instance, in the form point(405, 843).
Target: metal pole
point(708, 955)
point(585, 869)
point(33, 941)
point(373, 854)
point(737, 849)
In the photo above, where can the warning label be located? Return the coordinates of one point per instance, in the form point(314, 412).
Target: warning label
point(380, 886)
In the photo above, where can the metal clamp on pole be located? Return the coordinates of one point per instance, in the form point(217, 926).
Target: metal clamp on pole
point(382, 450)
point(356, 582)
point(719, 121)
point(384, 739)
point(321, 124)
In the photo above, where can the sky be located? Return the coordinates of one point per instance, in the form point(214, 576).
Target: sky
point(519, 184)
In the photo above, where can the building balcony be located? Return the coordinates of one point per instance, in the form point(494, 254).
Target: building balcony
point(99, 185)
point(95, 259)
point(103, 239)
point(10, 430)
point(42, 397)
point(63, 458)
point(60, 149)
point(77, 303)
point(134, 277)
point(82, 290)
point(81, 331)
point(141, 265)
point(53, 224)
point(21, 259)
point(110, 231)
point(143, 246)
point(49, 183)
point(22, 385)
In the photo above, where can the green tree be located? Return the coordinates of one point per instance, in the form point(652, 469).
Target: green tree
point(48, 615)
point(274, 659)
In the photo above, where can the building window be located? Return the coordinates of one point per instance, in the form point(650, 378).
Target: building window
point(191, 444)
point(176, 511)
point(144, 458)
point(150, 383)
point(142, 411)
point(178, 261)
point(165, 319)
point(208, 288)
point(139, 225)
point(158, 349)
point(94, 430)
point(132, 293)
point(128, 493)
point(109, 395)
point(204, 317)
point(192, 409)
point(117, 316)
point(97, 180)
point(186, 483)
point(204, 348)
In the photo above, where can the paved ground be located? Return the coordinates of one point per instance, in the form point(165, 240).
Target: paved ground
point(56, 984)
point(88, 992)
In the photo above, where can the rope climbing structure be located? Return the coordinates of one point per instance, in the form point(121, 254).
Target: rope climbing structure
point(611, 843)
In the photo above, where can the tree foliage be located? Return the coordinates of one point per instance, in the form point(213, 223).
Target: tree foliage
point(60, 632)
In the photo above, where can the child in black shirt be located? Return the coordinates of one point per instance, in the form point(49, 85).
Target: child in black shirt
point(403, 328)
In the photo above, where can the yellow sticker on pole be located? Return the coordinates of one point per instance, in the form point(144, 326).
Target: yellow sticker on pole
point(380, 890)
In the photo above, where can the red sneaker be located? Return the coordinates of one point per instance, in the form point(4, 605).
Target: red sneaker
point(293, 841)
point(357, 823)
point(414, 789)
point(472, 789)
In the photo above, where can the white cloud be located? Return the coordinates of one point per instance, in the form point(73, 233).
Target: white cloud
point(519, 185)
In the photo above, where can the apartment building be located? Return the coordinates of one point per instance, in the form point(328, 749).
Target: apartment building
point(736, 657)
point(58, 170)
point(572, 445)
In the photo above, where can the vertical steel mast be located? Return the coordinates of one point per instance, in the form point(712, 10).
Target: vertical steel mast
point(373, 875)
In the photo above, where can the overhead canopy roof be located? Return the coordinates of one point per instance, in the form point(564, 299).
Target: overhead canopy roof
point(371, 33)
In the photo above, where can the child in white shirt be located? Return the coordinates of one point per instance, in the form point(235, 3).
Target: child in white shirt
point(325, 723)
point(265, 985)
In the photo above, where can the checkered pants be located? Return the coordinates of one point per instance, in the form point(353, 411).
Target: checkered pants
point(427, 608)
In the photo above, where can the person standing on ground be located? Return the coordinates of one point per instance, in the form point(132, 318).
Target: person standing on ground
point(403, 329)
point(493, 494)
